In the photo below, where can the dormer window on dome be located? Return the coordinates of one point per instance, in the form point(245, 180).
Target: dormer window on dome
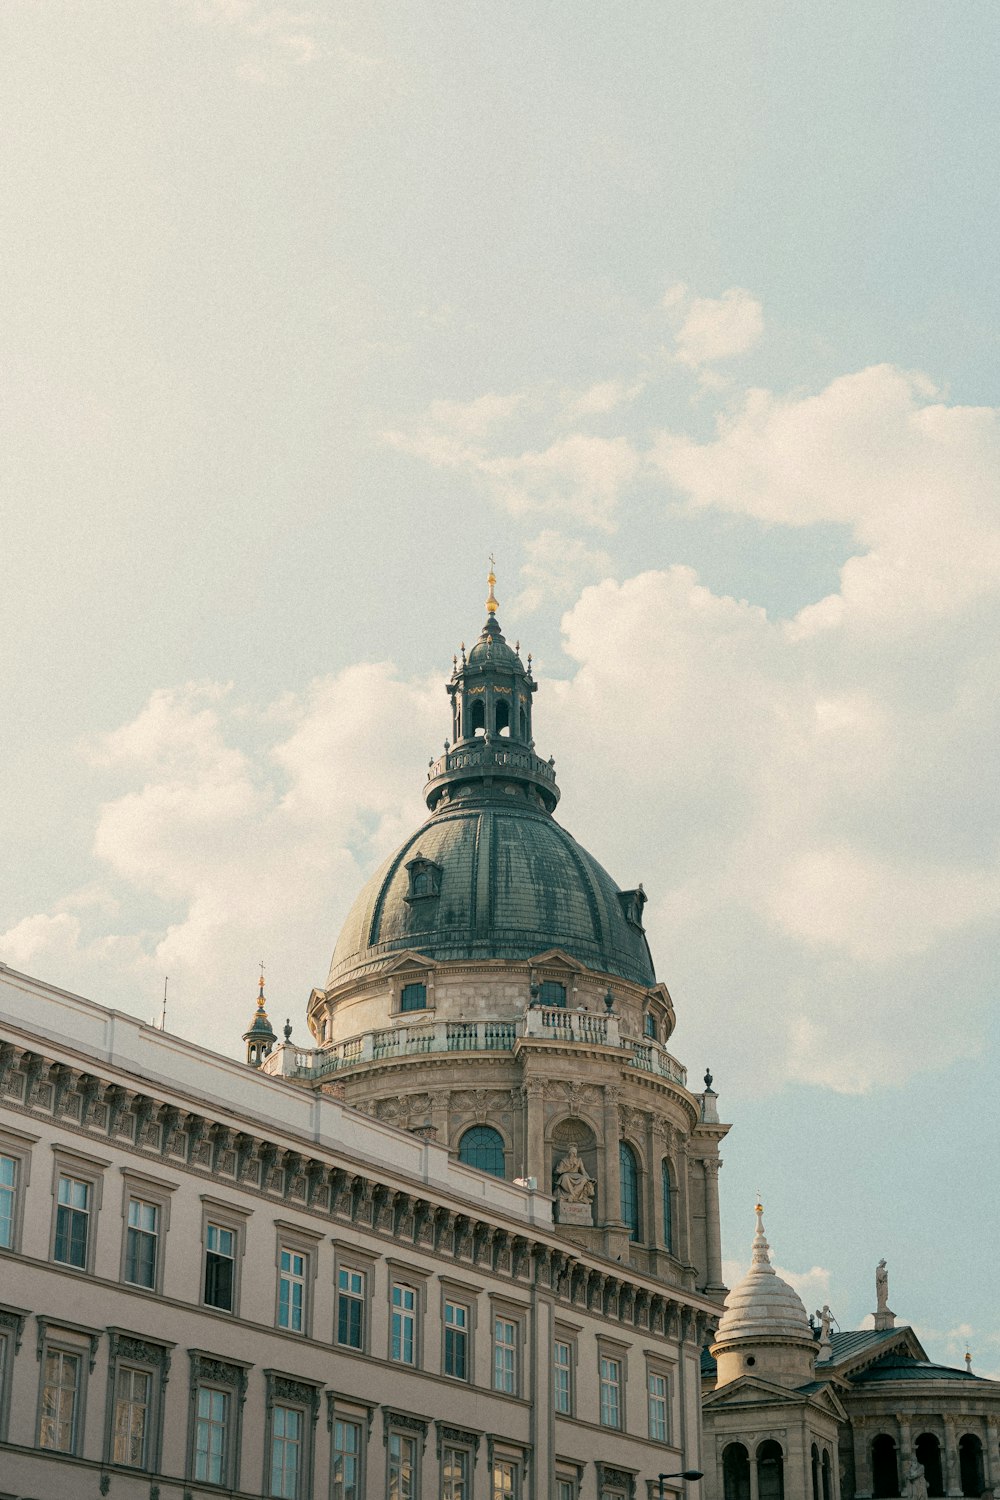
point(632, 903)
point(424, 877)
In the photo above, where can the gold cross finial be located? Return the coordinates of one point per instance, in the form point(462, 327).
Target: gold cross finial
point(492, 603)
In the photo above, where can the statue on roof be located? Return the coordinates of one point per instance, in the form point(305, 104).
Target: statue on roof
point(884, 1315)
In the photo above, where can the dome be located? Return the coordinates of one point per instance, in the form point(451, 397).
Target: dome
point(762, 1306)
point(507, 882)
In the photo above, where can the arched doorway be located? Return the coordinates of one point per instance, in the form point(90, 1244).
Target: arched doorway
point(928, 1451)
point(885, 1466)
point(970, 1463)
point(735, 1472)
point(770, 1471)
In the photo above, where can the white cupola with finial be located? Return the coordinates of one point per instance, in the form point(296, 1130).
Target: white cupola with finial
point(764, 1329)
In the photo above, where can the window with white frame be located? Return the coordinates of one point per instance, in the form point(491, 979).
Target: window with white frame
point(456, 1339)
point(456, 1473)
point(351, 1299)
point(8, 1199)
point(506, 1479)
point(505, 1341)
point(346, 1458)
point(293, 1267)
point(142, 1238)
point(292, 1405)
point(220, 1266)
point(562, 1376)
point(403, 1330)
point(137, 1375)
point(74, 1201)
point(658, 1392)
point(59, 1412)
point(566, 1489)
point(218, 1390)
point(402, 1467)
point(611, 1391)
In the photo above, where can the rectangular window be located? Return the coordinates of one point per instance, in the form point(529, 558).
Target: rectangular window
point(404, 1324)
point(346, 1464)
point(351, 1307)
point(220, 1267)
point(8, 1200)
point(292, 1289)
point(132, 1417)
point(611, 1392)
point(455, 1474)
point(562, 1382)
point(505, 1356)
point(60, 1401)
point(211, 1435)
point(413, 997)
point(565, 1489)
point(142, 1239)
point(506, 1479)
point(657, 1388)
point(456, 1340)
point(402, 1468)
point(72, 1222)
point(286, 1452)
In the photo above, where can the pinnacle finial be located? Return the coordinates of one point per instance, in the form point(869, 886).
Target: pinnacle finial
point(492, 603)
point(760, 1245)
point(260, 993)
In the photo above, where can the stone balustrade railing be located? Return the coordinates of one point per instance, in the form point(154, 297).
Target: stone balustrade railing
point(414, 1039)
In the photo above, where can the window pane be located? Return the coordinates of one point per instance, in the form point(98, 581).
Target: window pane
point(455, 1474)
point(482, 1148)
point(8, 1186)
point(211, 1435)
point(71, 1236)
point(346, 1460)
point(131, 1421)
point(629, 1173)
point(505, 1355)
point(562, 1376)
point(551, 992)
point(611, 1375)
point(404, 1301)
point(658, 1407)
point(286, 1451)
point(413, 997)
point(57, 1428)
point(402, 1467)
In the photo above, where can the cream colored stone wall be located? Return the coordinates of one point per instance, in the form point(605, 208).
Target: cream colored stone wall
point(210, 1138)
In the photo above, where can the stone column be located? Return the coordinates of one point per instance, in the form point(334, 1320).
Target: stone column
point(655, 1151)
point(610, 1205)
point(713, 1236)
point(682, 1229)
point(991, 1452)
point(754, 1485)
point(862, 1459)
point(949, 1452)
point(534, 1090)
point(905, 1441)
point(439, 1116)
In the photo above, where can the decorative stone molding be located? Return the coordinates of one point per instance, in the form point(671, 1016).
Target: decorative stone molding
point(460, 1436)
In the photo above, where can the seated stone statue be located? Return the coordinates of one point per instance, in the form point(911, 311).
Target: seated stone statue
point(574, 1183)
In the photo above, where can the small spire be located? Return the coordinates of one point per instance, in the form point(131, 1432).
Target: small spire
point(492, 602)
point(260, 993)
point(760, 1245)
point(968, 1360)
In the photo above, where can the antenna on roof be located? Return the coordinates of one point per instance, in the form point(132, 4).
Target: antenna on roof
point(163, 1011)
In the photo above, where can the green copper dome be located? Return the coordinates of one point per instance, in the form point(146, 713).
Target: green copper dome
point(502, 882)
point(491, 874)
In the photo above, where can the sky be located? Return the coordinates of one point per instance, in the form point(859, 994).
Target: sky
point(690, 314)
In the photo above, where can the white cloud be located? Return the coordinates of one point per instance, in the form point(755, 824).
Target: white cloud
point(555, 569)
point(711, 330)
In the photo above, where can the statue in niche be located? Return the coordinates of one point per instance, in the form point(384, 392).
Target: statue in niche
point(574, 1183)
point(916, 1480)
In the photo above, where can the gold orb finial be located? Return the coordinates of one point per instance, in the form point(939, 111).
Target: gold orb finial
point(492, 603)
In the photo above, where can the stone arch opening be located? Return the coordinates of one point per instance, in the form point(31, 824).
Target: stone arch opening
point(477, 717)
point(814, 1466)
point(770, 1470)
point(735, 1472)
point(970, 1464)
point(827, 1475)
point(928, 1451)
point(885, 1466)
point(502, 717)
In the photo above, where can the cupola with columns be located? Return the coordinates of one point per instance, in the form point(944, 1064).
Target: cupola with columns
point(260, 1035)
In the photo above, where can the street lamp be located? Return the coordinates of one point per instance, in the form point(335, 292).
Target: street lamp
point(680, 1474)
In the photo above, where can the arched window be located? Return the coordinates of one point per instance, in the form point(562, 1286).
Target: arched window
point(477, 717)
point(482, 1148)
point(668, 1207)
point(629, 1177)
point(551, 992)
point(815, 1471)
point(770, 1471)
point(649, 1026)
point(928, 1451)
point(736, 1472)
point(503, 717)
point(827, 1476)
point(970, 1463)
point(885, 1466)
point(413, 997)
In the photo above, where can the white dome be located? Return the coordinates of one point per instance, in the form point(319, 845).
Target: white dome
point(762, 1306)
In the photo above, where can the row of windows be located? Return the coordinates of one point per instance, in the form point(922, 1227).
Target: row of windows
point(137, 1393)
point(72, 1245)
point(631, 1199)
